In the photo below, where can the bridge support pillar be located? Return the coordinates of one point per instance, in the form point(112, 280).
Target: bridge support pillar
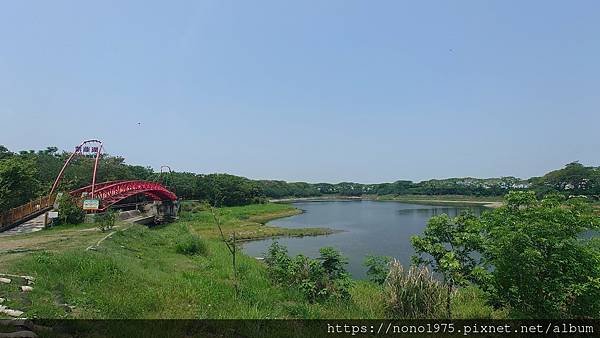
point(163, 211)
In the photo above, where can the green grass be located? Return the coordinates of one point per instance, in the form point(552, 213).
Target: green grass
point(139, 273)
point(248, 222)
point(469, 303)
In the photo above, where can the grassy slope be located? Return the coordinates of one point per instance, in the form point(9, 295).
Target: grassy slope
point(137, 273)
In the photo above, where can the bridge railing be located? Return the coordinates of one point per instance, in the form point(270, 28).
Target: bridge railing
point(15, 215)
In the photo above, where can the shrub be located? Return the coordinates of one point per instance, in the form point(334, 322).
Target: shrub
point(278, 262)
point(377, 268)
point(309, 276)
point(413, 293)
point(317, 279)
point(105, 221)
point(69, 211)
point(337, 281)
point(191, 245)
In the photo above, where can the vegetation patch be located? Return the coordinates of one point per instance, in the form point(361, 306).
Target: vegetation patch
point(191, 244)
point(318, 279)
point(413, 293)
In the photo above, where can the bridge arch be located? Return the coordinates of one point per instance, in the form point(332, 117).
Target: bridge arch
point(111, 193)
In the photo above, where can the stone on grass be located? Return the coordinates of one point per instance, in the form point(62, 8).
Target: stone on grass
point(10, 312)
point(2, 300)
point(26, 288)
point(4, 280)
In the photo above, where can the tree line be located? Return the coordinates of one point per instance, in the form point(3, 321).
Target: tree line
point(26, 175)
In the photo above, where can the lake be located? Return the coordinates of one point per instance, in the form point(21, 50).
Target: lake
point(368, 228)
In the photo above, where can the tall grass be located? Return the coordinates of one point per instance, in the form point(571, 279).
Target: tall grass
point(413, 293)
point(188, 242)
point(190, 245)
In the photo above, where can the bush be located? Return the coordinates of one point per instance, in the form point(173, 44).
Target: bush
point(413, 293)
point(69, 210)
point(317, 279)
point(191, 245)
point(105, 221)
point(337, 281)
point(278, 262)
point(377, 268)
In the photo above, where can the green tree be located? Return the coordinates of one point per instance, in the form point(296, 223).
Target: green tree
point(334, 265)
point(573, 179)
point(4, 152)
point(228, 190)
point(377, 268)
point(537, 261)
point(18, 182)
point(447, 245)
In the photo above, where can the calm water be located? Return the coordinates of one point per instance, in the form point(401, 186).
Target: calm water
point(370, 228)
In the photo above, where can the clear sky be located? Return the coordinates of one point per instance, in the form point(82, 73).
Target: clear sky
point(365, 91)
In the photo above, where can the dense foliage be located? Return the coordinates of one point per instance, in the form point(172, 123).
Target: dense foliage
point(69, 211)
point(377, 268)
point(542, 264)
point(536, 257)
point(317, 279)
point(18, 182)
point(574, 179)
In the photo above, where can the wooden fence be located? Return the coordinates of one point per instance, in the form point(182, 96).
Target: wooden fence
point(18, 214)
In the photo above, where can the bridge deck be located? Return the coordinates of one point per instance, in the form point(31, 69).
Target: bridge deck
point(24, 213)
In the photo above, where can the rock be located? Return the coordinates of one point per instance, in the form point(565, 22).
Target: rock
point(17, 276)
point(5, 280)
point(26, 288)
point(2, 300)
point(10, 312)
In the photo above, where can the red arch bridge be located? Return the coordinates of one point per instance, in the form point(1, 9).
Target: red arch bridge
point(108, 193)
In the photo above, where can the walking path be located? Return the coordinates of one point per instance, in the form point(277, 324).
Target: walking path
point(32, 225)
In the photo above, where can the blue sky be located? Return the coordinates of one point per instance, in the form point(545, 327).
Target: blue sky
point(366, 91)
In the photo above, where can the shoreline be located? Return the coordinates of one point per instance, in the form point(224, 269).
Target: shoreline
point(403, 199)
